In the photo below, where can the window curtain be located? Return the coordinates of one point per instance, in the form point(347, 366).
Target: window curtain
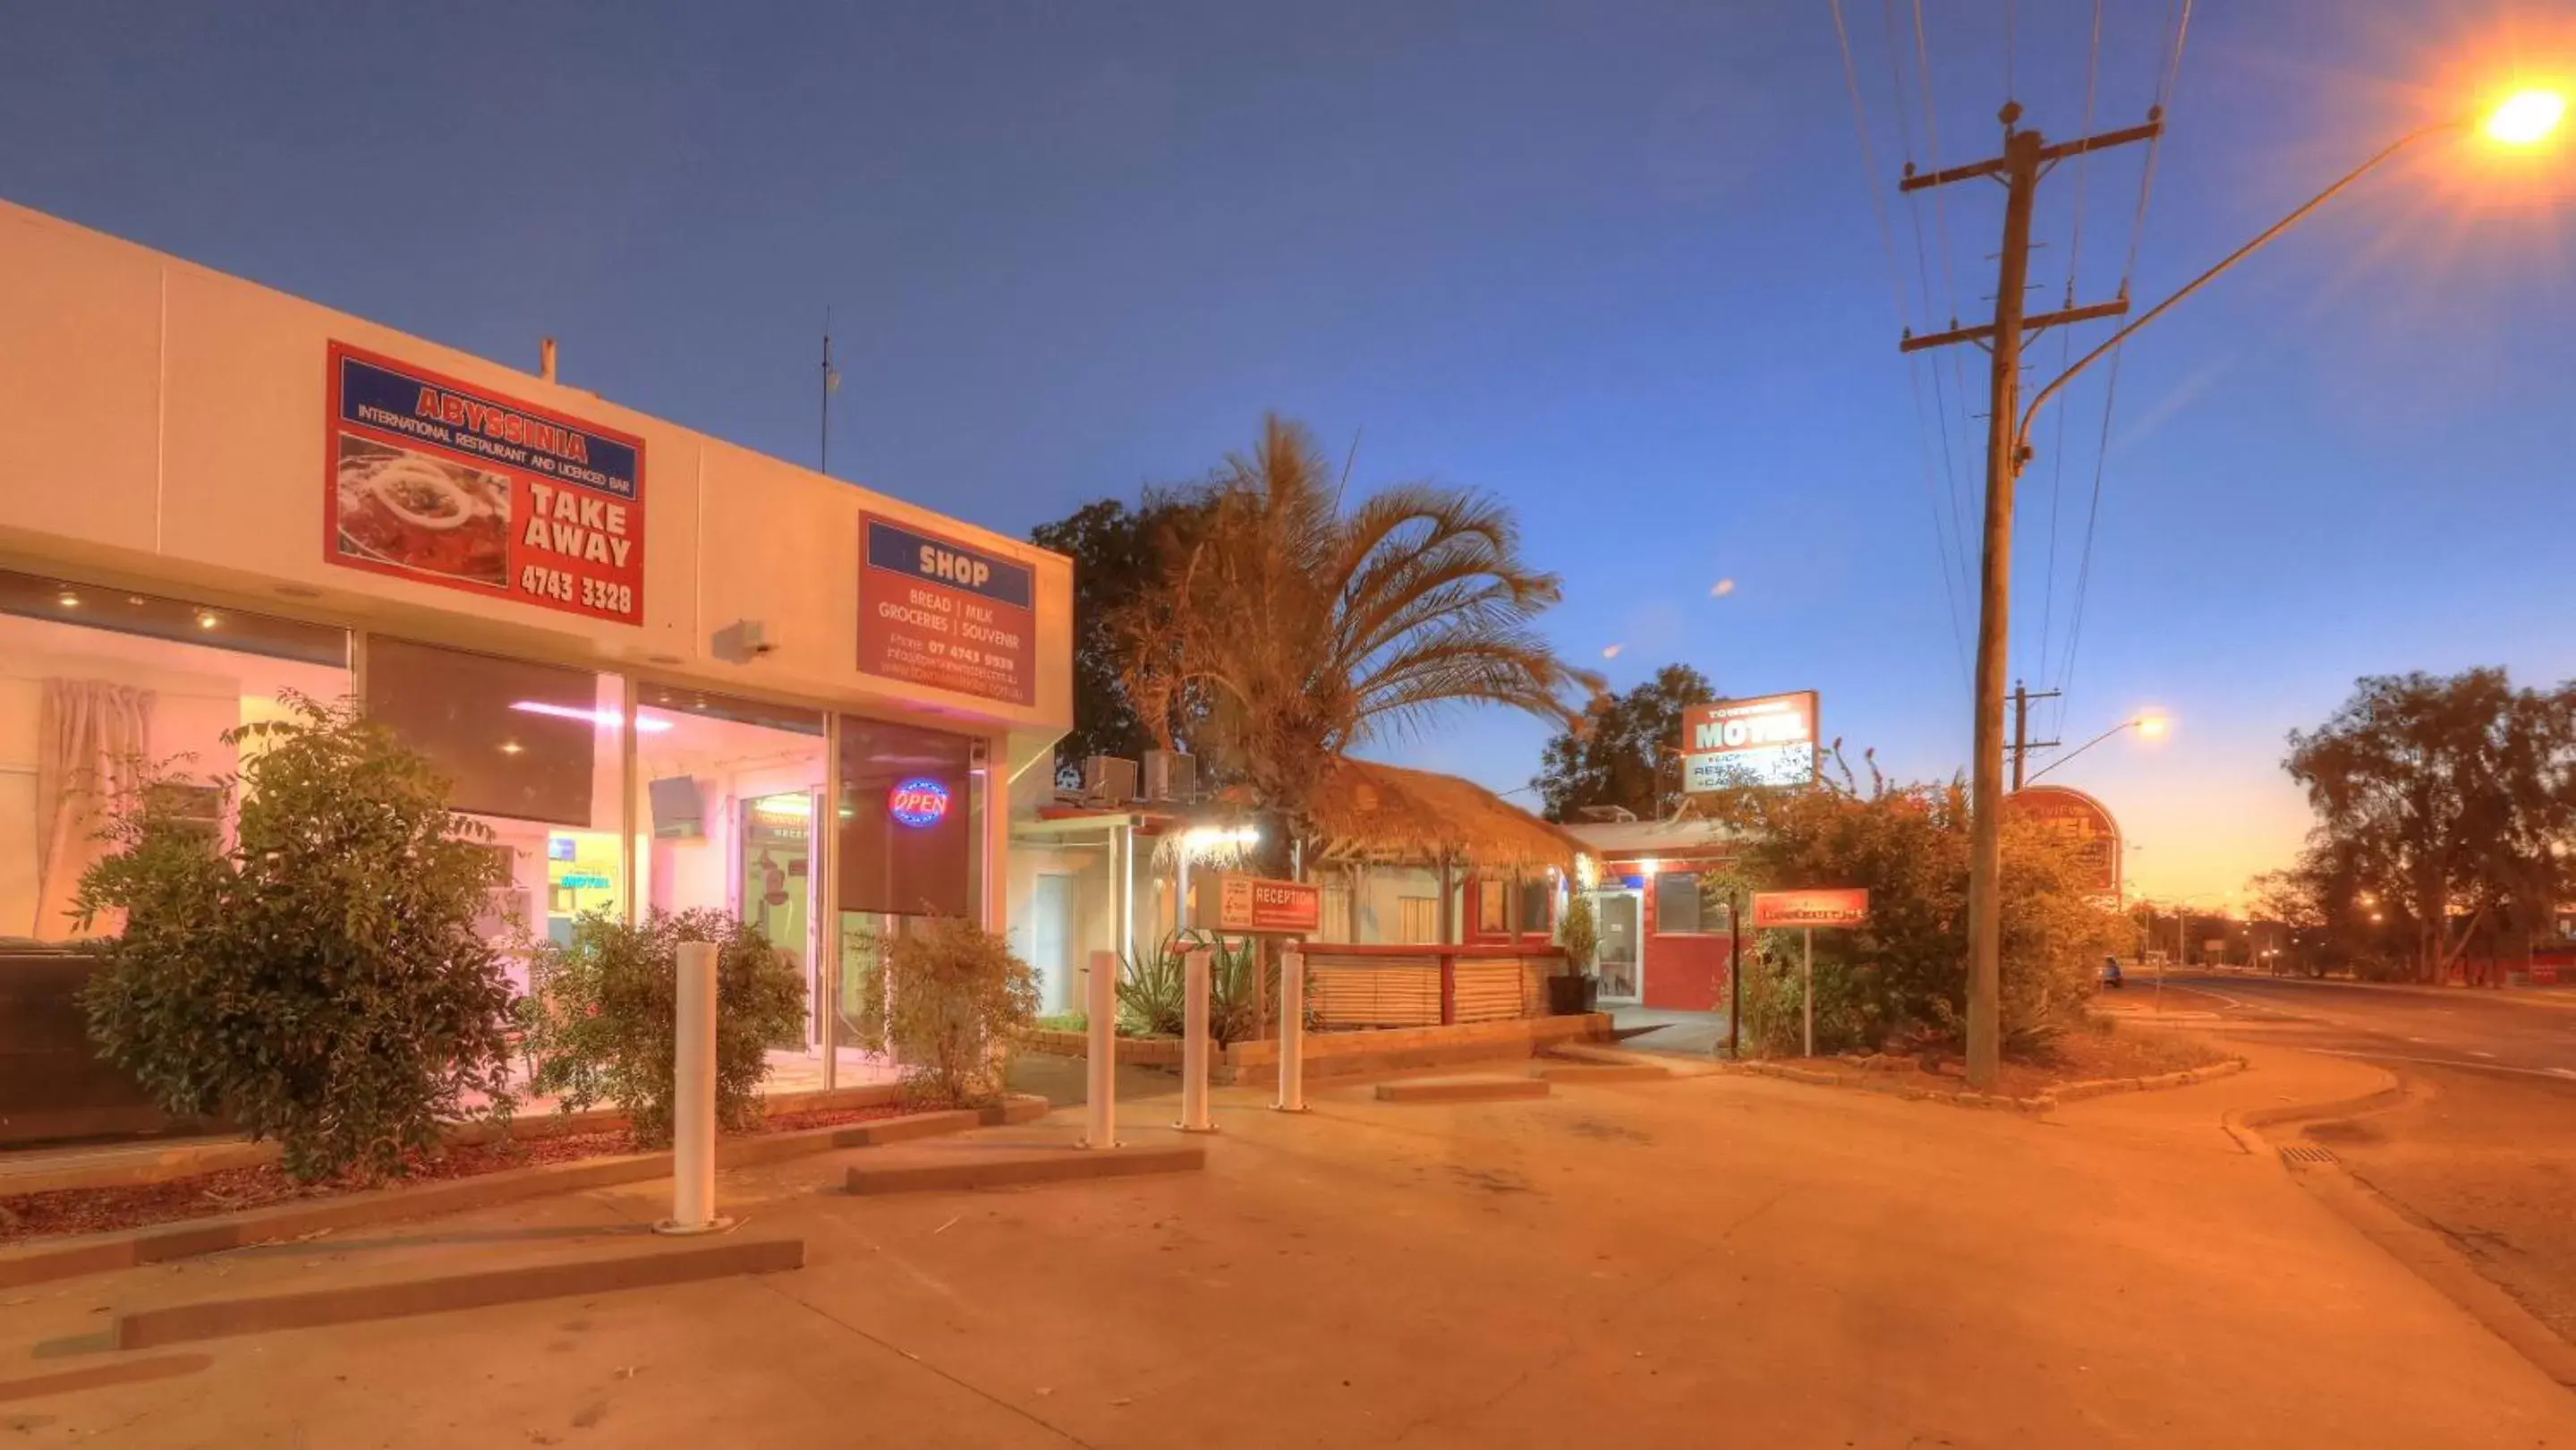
point(90, 741)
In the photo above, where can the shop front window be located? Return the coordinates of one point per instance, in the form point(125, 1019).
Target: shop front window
point(910, 844)
point(729, 792)
point(533, 752)
point(95, 684)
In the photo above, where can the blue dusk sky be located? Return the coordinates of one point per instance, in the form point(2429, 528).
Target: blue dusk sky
point(1621, 264)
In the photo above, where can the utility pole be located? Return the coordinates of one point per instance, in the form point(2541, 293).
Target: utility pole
point(2022, 744)
point(2026, 158)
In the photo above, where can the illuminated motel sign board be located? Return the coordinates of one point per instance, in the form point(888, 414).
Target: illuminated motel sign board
point(1767, 740)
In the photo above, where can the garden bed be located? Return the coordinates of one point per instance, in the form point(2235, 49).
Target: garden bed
point(60, 1211)
point(2104, 1053)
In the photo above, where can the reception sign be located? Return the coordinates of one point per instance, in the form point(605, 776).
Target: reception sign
point(1836, 907)
point(1228, 902)
point(937, 612)
point(452, 484)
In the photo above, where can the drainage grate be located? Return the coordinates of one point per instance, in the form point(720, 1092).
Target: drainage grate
point(2307, 1153)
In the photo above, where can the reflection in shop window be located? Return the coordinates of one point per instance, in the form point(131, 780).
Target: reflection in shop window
point(95, 681)
point(910, 843)
point(729, 793)
point(533, 751)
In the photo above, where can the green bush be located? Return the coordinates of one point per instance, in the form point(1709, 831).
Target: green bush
point(602, 1015)
point(1900, 981)
point(945, 999)
point(318, 980)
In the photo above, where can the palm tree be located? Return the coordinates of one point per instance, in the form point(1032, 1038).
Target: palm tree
point(1305, 631)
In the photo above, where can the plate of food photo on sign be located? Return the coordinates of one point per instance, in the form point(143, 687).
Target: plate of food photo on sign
point(423, 514)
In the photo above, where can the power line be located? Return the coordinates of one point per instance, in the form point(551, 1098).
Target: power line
point(2167, 83)
point(2066, 351)
point(1904, 322)
point(1941, 233)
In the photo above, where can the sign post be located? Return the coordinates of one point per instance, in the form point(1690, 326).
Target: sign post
point(1807, 910)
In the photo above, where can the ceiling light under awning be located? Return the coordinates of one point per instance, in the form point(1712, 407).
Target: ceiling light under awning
point(604, 719)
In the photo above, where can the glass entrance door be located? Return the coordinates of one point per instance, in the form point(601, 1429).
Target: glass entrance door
point(1620, 954)
point(776, 851)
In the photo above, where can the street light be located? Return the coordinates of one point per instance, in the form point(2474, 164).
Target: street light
point(2526, 118)
point(2523, 119)
point(2149, 727)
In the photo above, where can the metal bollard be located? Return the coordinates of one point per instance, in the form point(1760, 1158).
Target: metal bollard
point(1194, 1045)
point(1292, 1031)
point(693, 1097)
point(1100, 1061)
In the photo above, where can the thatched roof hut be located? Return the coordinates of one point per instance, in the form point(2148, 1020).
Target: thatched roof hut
point(1366, 813)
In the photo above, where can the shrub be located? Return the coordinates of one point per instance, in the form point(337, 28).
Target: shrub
point(947, 996)
point(317, 980)
point(1901, 979)
point(602, 1015)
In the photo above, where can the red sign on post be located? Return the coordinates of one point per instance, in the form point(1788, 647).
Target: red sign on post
point(1832, 907)
point(1257, 905)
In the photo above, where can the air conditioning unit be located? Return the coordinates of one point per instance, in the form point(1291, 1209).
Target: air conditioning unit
point(1108, 780)
point(1171, 775)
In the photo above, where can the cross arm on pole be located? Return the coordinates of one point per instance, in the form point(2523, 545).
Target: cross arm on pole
point(1986, 330)
point(1995, 165)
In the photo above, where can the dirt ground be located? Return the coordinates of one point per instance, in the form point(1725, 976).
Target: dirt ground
point(1702, 1261)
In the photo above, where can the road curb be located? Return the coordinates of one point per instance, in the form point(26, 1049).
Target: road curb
point(2413, 1242)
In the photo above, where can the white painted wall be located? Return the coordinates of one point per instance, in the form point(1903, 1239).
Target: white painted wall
point(171, 423)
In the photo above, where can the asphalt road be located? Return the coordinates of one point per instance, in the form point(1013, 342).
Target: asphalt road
point(2483, 1148)
point(2462, 1028)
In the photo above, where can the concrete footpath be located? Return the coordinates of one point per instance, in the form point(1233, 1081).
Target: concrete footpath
point(1699, 1261)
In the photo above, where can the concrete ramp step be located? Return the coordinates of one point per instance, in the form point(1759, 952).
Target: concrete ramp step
point(1600, 1071)
point(956, 1167)
point(1461, 1089)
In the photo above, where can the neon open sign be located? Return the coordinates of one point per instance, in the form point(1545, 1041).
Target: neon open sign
point(919, 801)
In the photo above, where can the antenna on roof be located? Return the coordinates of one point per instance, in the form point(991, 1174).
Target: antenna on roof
point(831, 385)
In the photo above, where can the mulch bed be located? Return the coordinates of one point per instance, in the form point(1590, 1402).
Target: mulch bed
point(229, 1190)
point(2084, 1055)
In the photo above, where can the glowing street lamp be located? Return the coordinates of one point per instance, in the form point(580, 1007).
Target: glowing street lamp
point(2525, 118)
